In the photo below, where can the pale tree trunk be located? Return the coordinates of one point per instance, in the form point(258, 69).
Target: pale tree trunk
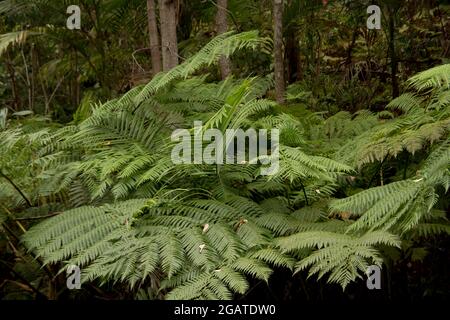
point(155, 50)
point(222, 27)
point(278, 50)
point(168, 17)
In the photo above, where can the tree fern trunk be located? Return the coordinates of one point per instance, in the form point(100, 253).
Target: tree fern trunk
point(155, 50)
point(169, 43)
point(222, 27)
point(278, 50)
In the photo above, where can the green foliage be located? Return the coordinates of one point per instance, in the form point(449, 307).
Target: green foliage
point(342, 256)
point(14, 38)
point(128, 216)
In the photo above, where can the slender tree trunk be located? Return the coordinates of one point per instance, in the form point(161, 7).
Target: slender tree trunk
point(28, 81)
point(278, 50)
point(77, 80)
point(33, 74)
point(41, 82)
point(169, 43)
point(12, 76)
point(155, 50)
point(222, 27)
point(392, 54)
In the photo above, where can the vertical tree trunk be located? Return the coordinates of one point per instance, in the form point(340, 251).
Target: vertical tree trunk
point(392, 54)
point(33, 74)
point(278, 50)
point(27, 80)
point(11, 71)
point(169, 43)
point(155, 50)
point(222, 27)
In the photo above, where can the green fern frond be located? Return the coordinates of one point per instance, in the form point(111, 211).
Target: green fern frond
point(343, 257)
point(224, 44)
point(15, 38)
point(432, 78)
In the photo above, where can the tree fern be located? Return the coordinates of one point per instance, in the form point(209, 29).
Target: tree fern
point(343, 257)
point(130, 215)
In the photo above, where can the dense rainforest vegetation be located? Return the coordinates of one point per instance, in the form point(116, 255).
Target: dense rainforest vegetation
point(87, 179)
